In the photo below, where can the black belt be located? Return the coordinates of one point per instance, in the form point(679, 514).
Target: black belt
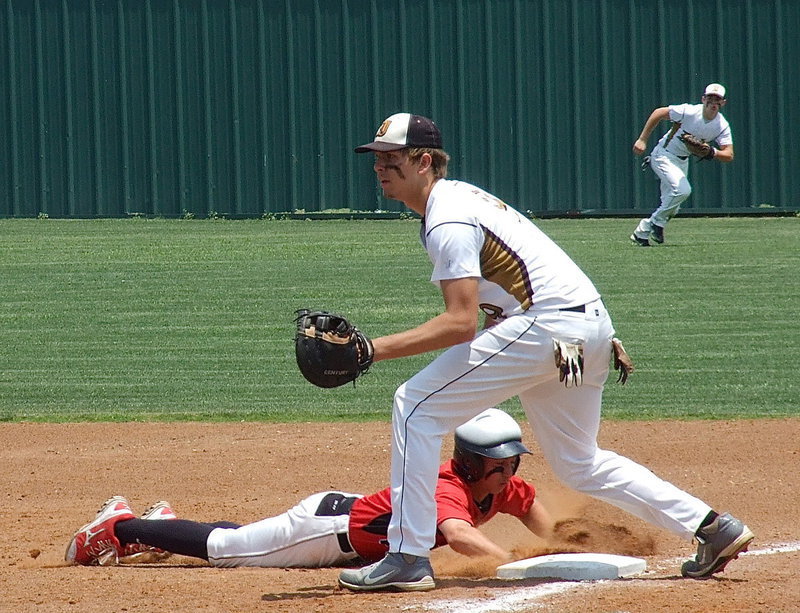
point(344, 543)
point(576, 309)
point(682, 157)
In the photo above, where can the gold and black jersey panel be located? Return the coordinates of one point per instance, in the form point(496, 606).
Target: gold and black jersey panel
point(502, 265)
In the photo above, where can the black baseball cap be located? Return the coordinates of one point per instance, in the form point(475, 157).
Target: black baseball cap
point(403, 130)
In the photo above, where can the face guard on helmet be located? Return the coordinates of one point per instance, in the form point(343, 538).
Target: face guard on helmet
point(492, 434)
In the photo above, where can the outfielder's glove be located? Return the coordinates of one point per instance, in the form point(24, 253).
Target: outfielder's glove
point(697, 146)
point(622, 361)
point(330, 351)
point(569, 361)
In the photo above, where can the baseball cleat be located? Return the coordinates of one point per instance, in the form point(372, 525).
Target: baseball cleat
point(657, 234)
point(397, 571)
point(642, 242)
point(139, 552)
point(95, 543)
point(718, 543)
point(160, 510)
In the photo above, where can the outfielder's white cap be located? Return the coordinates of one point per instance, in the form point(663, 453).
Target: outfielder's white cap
point(403, 130)
point(715, 89)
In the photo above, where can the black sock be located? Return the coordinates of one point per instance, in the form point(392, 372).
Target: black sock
point(180, 536)
point(712, 515)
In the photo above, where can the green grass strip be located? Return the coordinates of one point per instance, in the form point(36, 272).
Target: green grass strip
point(137, 319)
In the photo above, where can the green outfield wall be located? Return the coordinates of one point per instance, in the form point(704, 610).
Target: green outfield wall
point(241, 108)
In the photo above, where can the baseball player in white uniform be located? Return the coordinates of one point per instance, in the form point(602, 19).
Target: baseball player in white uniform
point(537, 303)
point(670, 157)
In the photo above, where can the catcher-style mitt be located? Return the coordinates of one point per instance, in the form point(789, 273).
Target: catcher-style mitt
point(330, 351)
point(697, 147)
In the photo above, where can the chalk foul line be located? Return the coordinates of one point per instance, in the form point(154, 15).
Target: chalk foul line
point(509, 601)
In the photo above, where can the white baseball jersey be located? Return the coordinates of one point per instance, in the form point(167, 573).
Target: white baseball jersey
point(690, 116)
point(470, 233)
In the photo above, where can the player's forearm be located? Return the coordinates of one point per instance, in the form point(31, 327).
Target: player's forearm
point(457, 324)
point(442, 331)
point(473, 543)
point(724, 154)
point(539, 521)
point(656, 117)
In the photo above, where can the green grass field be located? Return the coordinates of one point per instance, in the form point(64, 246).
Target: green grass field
point(119, 320)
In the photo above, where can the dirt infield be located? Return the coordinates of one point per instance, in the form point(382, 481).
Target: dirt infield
point(56, 475)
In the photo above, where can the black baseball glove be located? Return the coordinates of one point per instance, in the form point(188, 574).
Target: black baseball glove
point(697, 146)
point(330, 351)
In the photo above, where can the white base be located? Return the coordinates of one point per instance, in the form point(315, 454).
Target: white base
point(573, 567)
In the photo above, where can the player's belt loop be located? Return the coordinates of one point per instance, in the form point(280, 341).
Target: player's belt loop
point(344, 543)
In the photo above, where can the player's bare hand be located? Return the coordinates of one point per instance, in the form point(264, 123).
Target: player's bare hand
point(639, 146)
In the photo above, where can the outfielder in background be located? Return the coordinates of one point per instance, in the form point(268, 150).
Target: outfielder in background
point(694, 128)
point(547, 339)
point(336, 528)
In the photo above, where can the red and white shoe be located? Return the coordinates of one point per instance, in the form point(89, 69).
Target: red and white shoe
point(139, 552)
point(95, 543)
point(160, 510)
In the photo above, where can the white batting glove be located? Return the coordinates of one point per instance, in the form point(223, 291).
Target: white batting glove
point(569, 361)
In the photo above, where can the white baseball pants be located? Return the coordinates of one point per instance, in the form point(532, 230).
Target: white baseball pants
point(298, 538)
point(673, 173)
point(515, 358)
